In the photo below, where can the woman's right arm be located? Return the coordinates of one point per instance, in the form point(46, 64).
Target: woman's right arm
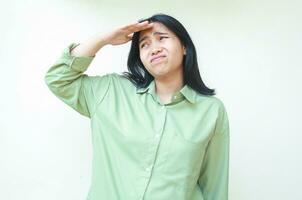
point(91, 46)
point(66, 78)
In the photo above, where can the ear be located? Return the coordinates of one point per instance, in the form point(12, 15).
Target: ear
point(184, 49)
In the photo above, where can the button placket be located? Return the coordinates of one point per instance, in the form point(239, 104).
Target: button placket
point(159, 121)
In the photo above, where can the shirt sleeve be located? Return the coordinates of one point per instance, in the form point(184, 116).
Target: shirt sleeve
point(214, 175)
point(66, 79)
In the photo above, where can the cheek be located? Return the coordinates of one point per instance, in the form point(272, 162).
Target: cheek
point(178, 56)
point(142, 57)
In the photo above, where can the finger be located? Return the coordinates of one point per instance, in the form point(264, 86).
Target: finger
point(141, 26)
point(150, 25)
point(130, 25)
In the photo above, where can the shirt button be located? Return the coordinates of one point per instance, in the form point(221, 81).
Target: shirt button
point(148, 168)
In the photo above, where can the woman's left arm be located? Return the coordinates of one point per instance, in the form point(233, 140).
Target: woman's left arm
point(214, 175)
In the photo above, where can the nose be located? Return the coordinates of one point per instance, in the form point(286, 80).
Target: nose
point(156, 50)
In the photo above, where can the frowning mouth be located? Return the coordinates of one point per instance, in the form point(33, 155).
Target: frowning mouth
point(156, 59)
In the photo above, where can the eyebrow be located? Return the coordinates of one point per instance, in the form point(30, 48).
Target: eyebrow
point(155, 33)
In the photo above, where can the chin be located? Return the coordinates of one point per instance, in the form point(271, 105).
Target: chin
point(160, 73)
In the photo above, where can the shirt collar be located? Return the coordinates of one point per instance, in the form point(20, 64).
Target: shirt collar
point(186, 92)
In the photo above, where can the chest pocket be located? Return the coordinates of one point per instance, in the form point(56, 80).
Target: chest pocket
point(183, 158)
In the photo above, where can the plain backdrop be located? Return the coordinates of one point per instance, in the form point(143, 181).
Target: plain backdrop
point(249, 51)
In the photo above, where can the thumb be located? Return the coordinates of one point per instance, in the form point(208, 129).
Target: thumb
point(130, 36)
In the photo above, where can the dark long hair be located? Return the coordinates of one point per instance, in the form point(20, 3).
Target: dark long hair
point(141, 78)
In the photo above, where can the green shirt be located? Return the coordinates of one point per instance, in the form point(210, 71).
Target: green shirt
point(142, 148)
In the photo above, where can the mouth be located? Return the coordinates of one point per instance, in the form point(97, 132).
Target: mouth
point(157, 59)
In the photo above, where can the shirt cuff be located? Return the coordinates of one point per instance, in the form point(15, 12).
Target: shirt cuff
point(78, 63)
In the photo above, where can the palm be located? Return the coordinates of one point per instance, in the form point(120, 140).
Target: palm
point(120, 37)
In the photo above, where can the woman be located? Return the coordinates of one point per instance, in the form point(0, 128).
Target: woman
point(158, 132)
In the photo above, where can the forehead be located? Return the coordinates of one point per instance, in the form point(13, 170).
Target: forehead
point(157, 27)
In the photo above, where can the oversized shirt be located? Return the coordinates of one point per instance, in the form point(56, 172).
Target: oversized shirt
point(144, 149)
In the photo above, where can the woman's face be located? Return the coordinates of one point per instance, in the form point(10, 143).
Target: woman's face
point(161, 51)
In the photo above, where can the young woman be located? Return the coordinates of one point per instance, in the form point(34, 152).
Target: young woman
point(158, 132)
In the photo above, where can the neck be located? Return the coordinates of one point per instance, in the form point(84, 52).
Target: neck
point(167, 86)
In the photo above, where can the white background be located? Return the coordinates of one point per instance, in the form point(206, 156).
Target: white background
point(249, 51)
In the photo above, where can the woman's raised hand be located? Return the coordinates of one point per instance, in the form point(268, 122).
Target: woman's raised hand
point(118, 36)
point(124, 34)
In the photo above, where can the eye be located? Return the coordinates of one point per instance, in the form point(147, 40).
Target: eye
point(162, 37)
point(143, 45)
